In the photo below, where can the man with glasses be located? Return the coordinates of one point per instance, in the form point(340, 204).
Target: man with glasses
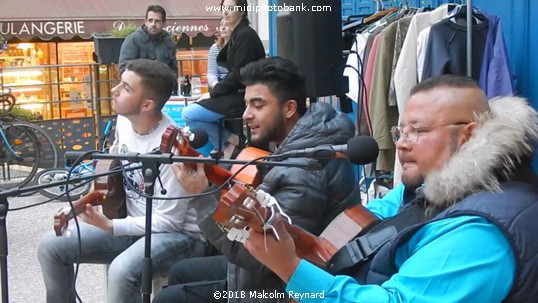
point(461, 226)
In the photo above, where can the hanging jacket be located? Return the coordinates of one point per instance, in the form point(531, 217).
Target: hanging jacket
point(446, 51)
point(495, 75)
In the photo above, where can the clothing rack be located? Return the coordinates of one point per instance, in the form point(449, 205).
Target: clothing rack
point(469, 37)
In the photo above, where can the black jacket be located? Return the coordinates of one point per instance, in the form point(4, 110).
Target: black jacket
point(312, 198)
point(141, 44)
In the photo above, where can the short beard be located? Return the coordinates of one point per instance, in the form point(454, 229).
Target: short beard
point(418, 181)
point(274, 133)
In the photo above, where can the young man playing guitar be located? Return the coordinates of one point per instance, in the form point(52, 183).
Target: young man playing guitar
point(144, 88)
point(276, 112)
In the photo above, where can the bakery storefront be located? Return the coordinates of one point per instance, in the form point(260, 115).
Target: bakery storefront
point(47, 58)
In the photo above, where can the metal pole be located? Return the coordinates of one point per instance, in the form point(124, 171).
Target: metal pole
point(469, 37)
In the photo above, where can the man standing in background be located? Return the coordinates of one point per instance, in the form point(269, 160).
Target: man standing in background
point(150, 41)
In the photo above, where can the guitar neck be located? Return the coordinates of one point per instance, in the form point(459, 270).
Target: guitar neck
point(94, 198)
point(308, 246)
point(216, 174)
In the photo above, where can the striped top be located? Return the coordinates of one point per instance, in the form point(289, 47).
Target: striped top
point(215, 73)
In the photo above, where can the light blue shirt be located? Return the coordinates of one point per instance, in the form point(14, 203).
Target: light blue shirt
point(461, 259)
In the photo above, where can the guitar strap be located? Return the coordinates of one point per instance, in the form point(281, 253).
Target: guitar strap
point(366, 245)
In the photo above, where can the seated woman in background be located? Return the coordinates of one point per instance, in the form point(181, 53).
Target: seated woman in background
point(227, 96)
point(215, 72)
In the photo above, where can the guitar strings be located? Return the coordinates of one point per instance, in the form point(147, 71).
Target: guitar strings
point(257, 211)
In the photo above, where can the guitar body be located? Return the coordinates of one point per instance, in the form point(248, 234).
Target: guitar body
point(108, 192)
point(250, 174)
point(114, 207)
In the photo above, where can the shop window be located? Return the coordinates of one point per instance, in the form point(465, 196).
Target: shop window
point(55, 80)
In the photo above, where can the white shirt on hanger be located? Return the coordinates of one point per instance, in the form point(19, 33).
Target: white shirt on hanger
point(405, 74)
point(352, 60)
point(422, 44)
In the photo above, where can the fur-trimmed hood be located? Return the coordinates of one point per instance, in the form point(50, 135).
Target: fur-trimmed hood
point(505, 136)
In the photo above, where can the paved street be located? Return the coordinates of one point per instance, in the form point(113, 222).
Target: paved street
point(24, 229)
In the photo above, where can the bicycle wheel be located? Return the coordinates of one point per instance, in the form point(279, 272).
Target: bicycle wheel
point(50, 175)
point(6, 103)
point(19, 157)
point(48, 153)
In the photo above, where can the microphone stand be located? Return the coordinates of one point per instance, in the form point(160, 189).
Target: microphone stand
point(168, 158)
point(4, 207)
point(4, 204)
point(150, 170)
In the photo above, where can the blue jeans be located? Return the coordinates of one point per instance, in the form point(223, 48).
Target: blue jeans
point(199, 117)
point(125, 255)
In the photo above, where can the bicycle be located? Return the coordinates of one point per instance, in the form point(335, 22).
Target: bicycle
point(45, 146)
point(76, 190)
point(19, 150)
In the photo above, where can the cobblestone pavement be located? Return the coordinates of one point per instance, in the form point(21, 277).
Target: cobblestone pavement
point(24, 229)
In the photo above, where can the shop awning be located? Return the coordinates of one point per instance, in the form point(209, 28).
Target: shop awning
point(47, 19)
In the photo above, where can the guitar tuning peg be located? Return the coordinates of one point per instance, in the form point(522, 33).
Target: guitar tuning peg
point(264, 198)
point(249, 203)
point(267, 200)
point(239, 235)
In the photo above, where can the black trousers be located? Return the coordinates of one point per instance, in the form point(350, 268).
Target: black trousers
point(195, 280)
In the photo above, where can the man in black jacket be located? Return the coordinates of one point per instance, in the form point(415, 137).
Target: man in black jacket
point(150, 42)
point(276, 112)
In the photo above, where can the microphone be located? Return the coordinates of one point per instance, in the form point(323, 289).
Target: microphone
point(198, 138)
point(360, 150)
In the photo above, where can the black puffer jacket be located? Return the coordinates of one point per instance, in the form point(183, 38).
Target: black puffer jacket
point(312, 198)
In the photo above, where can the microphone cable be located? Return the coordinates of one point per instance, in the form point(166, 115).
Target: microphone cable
point(217, 189)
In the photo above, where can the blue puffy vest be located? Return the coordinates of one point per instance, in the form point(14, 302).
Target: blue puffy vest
point(514, 211)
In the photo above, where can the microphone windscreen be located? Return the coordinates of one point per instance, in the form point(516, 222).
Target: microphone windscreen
point(200, 138)
point(362, 150)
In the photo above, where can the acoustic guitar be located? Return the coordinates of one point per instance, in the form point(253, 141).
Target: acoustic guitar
point(176, 140)
point(108, 192)
point(244, 207)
